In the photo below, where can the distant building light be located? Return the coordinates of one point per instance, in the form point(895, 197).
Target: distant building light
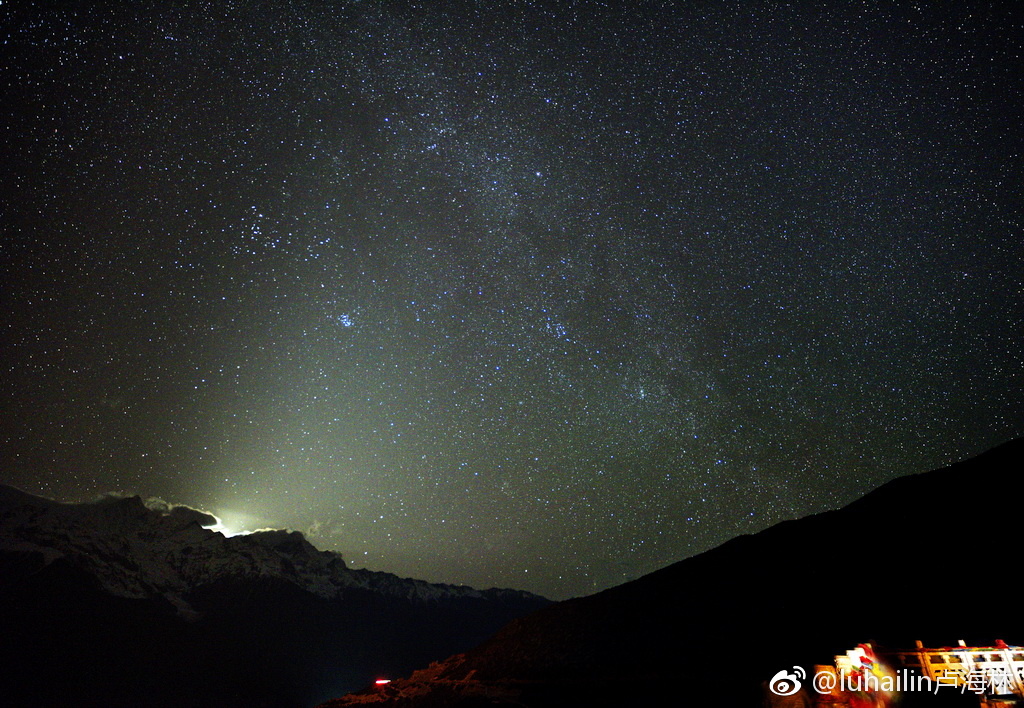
point(382, 682)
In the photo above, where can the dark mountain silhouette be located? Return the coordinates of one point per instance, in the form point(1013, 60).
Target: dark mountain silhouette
point(932, 556)
point(116, 603)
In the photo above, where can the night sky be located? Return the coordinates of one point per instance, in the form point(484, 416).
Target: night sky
point(539, 295)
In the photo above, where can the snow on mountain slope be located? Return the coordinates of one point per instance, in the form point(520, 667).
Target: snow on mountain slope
point(139, 551)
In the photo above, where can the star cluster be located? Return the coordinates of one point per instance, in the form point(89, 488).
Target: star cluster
point(542, 295)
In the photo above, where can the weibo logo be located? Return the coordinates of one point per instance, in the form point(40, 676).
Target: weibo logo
point(787, 683)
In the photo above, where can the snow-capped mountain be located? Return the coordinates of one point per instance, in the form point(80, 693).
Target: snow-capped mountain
point(141, 551)
point(121, 603)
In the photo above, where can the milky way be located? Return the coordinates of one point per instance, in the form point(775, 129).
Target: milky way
point(541, 295)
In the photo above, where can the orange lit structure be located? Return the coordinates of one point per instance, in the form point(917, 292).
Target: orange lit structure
point(876, 677)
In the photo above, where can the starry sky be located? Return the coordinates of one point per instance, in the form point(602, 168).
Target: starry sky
point(528, 294)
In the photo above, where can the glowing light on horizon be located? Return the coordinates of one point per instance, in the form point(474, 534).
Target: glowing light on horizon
point(232, 524)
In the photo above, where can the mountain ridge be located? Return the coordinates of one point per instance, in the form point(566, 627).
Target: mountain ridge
point(137, 551)
point(116, 604)
point(893, 566)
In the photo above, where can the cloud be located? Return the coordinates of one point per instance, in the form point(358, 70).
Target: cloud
point(158, 504)
point(324, 529)
point(181, 512)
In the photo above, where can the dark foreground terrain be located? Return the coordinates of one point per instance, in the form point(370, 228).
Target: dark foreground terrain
point(930, 556)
